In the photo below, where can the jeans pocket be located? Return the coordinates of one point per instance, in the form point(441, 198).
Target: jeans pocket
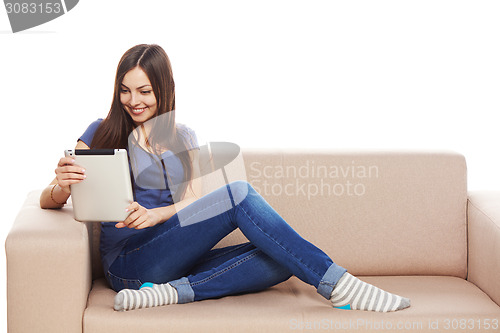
point(117, 283)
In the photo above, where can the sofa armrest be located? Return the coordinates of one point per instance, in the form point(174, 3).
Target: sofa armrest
point(483, 214)
point(48, 270)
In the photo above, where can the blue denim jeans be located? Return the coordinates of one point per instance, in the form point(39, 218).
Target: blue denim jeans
point(181, 253)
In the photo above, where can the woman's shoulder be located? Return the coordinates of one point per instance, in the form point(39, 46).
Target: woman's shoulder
point(93, 125)
point(183, 128)
point(188, 135)
point(98, 121)
point(90, 131)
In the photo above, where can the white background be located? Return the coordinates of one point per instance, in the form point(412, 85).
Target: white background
point(365, 75)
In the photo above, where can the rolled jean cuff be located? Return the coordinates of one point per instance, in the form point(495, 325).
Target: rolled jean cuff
point(330, 279)
point(185, 293)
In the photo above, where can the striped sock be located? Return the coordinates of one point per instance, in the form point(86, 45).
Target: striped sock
point(148, 296)
point(352, 293)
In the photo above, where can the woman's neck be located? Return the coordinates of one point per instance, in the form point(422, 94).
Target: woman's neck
point(145, 130)
point(143, 138)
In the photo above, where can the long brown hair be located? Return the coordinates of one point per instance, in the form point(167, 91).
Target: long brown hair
point(115, 129)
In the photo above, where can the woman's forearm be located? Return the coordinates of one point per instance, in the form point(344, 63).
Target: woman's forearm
point(53, 197)
point(193, 192)
point(167, 212)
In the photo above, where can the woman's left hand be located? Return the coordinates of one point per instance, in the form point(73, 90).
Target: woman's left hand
point(139, 218)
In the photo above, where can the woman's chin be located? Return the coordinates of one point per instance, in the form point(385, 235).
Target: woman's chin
point(141, 118)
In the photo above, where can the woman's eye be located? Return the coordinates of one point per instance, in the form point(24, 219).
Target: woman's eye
point(146, 91)
point(123, 91)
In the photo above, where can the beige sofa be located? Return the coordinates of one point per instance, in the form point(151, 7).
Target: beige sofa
point(402, 221)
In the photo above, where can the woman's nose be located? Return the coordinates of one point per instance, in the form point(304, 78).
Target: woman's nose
point(135, 99)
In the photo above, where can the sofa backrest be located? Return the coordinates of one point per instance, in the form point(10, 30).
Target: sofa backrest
point(374, 213)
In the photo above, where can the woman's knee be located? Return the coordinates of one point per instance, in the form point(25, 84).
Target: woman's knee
point(239, 190)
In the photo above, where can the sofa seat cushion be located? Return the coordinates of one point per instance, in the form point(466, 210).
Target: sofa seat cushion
point(437, 302)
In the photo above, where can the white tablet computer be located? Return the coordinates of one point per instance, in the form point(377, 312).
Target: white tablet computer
point(106, 192)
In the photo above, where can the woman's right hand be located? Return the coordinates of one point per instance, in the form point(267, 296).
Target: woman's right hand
point(68, 173)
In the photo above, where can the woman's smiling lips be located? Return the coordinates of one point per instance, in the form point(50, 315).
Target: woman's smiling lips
point(138, 111)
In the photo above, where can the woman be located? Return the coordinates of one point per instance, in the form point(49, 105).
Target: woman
point(151, 258)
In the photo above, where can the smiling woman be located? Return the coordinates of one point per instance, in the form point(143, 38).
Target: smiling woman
point(138, 101)
point(173, 262)
point(144, 87)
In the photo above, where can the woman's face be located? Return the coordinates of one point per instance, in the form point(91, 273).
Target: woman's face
point(137, 97)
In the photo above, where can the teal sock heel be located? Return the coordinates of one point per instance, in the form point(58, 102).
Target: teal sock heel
point(345, 307)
